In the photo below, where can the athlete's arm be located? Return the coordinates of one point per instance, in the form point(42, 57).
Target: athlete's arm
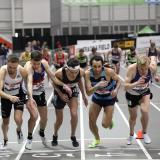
point(115, 77)
point(29, 80)
point(153, 64)
point(89, 89)
point(21, 56)
point(48, 70)
point(129, 76)
point(2, 93)
point(107, 57)
point(23, 73)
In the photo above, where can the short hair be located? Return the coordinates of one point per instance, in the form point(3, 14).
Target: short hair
point(115, 45)
point(153, 44)
point(73, 62)
point(96, 58)
point(143, 60)
point(13, 58)
point(132, 48)
point(94, 49)
point(36, 56)
point(81, 50)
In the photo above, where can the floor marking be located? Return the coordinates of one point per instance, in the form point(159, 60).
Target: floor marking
point(155, 106)
point(82, 129)
point(68, 140)
point(37, 123)
point(126, 121)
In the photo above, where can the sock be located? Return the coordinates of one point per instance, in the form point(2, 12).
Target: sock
point(41, 132)
point(5, 142)
point(29, 136)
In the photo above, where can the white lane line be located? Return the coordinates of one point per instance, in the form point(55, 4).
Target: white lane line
point(156, 107)
point(126, 121)
point(68, 140)
point(138, 141)
point(82, 129)
point(77, 150)
point(37, 123)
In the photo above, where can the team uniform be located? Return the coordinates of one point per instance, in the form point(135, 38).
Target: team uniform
point(103, 97)
point(131, 57)
point(57, 102)
point(152, 52)
point(14, 88)
point(135, 94)
point(83, 60)
point(38, 87)
point(60, 60)
point(116, 56)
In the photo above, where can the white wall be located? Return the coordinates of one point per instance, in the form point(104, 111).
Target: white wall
point(36, 11)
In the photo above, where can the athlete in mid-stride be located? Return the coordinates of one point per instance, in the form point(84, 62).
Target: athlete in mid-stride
point(103, 84)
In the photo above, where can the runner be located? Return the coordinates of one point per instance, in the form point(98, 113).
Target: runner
point(60, 58)
point(131, 56)
point(137, 82)
point(100, 82)
point(116, 54)
point(66, 92)
point(36, 69)
point(83, 59)
point(11, 93)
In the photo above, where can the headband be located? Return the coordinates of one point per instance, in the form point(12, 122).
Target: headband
point(73, 68)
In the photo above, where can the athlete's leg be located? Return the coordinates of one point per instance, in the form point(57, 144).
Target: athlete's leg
point(73, 105)
point(32, 109)
point(94, 111)
point(107, 116)
point(18, 119)
point(59, 120)
point(132, 118)
point(43, 116)
point(5, 127)
point(145, 103)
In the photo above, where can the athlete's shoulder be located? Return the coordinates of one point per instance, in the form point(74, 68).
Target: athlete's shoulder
point(4, 67)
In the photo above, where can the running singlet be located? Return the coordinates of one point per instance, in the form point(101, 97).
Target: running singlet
point(106, 91)
point(72, 84)
point(115, 55)
point(60, 59)
point(82, 60)
point(38, 81)
point(152, 52)
point(12, 86)
point(131, 57)
point(141, 89)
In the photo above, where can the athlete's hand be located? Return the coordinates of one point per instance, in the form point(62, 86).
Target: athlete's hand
point(114, 93)
point(85, 100)
point(101, 84)
point(157, 78)
point(64, 97)
point(141, 80)
point(14, 99)
point(67, 89)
